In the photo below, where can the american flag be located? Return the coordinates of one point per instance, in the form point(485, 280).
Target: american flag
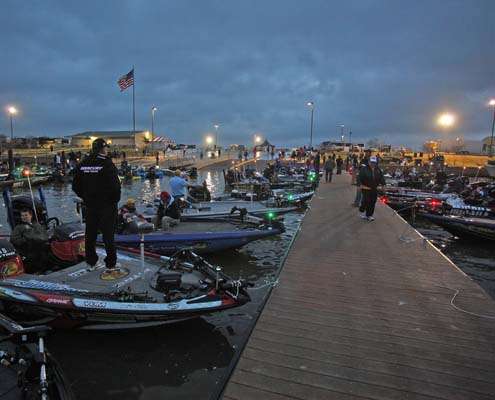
point(126, 80)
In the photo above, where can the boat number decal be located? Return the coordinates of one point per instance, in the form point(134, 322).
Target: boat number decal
point(6, 253)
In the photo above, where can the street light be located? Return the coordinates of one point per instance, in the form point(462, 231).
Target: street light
point(216, 126)
point(209, 140)
point(257, 139)
point(446, 120)
point(311, 105)
point(341, 132)
point(153, 110)
point(12, 111)
point(491, 103)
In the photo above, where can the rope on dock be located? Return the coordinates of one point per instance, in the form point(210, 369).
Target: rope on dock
point(452, 303)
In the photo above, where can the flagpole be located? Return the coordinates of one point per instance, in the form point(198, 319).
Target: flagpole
point(133, 102)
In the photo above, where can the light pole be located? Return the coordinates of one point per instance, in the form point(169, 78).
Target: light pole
point(342, 133)
point(492, 104)
point(216, 126)
point(12, 111)
point(311, 105)
point(350, 139)
point(153, 110)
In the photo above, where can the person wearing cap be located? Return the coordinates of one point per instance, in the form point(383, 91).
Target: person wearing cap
point(370, 178)
point(127, 209)
point(96, 181)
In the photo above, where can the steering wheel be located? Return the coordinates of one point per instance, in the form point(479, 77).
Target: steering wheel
point(52, 219)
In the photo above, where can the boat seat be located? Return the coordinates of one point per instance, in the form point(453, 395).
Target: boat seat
point(191, 279)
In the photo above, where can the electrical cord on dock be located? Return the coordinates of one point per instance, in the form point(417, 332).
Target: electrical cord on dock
point(452, 303)
point(267, 284)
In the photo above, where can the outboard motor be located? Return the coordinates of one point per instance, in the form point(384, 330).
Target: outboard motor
point(10, 262)
point(135, 225)
point(67, 245)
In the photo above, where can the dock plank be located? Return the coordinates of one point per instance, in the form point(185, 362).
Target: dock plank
point(361, 314)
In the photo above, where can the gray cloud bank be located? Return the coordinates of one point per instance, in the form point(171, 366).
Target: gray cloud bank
point(383, 68)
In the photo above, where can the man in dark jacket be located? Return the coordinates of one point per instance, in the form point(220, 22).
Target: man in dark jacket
point(31, 241)
point(370, 177)
point(96, 181)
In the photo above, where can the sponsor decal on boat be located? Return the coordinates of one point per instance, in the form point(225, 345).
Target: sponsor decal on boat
point(128, 280)
point(182, 305)
point(9, 293)
point(54, 299)
point(44, 285)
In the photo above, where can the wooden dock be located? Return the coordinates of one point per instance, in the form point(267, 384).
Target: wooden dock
point(365, 310)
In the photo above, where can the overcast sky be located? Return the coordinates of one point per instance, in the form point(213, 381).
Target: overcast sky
point(383, 68)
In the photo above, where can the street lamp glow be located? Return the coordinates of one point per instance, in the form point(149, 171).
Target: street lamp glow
point(209, 139)
point(492, 103)
point(310, 104)
point(257, 139)
point(216, 126)
point(12, 110)
point(154, 108)
point(446, 120)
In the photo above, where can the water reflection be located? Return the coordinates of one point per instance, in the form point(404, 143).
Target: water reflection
point(145, 363)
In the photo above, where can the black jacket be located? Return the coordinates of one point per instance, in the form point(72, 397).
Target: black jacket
point(370, 178)
point(97, 181)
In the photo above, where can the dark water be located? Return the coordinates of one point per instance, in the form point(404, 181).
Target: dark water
point(475, 257)
point(188, 360)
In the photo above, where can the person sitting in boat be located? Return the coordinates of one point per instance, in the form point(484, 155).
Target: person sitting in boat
point(168, 208)
point(178, 185)
point(31, 241)
point(151, 174)
point(127, 213)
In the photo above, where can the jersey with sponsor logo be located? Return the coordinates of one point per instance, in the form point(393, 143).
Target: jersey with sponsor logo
point(97, 182)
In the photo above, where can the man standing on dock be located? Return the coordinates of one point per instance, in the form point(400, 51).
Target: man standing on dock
point(370, 178)
point(97, 182)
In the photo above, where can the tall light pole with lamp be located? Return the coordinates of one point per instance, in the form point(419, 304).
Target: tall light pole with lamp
point(311, 105)
point(216, 126)
point(153, 110)
point(12, 111)
point(257, 140)
point(491, 103)
point(342, 133)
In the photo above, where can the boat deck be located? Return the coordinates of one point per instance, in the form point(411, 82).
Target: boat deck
point(365, 311)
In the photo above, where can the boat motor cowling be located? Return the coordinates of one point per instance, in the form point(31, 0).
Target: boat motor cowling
point(10, 262)
point(67, 244)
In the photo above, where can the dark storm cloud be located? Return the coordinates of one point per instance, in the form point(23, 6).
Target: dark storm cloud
point(384, 68)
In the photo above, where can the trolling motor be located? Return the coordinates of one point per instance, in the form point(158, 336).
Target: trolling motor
point(242, 212)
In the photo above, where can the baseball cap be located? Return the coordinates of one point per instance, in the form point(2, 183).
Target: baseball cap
point(99, 144)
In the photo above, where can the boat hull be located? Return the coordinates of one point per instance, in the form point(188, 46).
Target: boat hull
point(477, 228)
point(201, 243)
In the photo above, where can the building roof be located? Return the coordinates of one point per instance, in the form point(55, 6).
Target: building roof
point(112, 134)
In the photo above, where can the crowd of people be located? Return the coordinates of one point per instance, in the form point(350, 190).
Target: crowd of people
point(364, 170)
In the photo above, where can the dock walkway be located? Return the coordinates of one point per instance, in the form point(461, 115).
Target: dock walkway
point(363, 311)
